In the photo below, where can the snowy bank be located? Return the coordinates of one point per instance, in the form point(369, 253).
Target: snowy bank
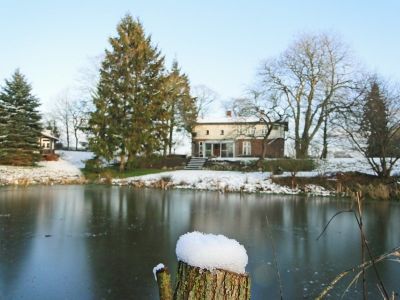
point(223, 181)
point(76, 158)
point(47, 172)
point(209, 251)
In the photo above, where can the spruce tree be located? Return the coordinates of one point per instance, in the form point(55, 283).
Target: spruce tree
point(376, 123)
point(129, 116)
point(20, 123)
point(181, 106)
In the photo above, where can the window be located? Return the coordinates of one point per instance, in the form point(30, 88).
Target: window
point(222, 132)
point(207, 132)
point(246, 148)
point(227, 150)
point(264, 131)
point(208, 150)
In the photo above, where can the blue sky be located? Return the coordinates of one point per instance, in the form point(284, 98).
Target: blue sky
point(217, 43)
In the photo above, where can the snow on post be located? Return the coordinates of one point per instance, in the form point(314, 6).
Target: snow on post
point(211, 267)
point(209, 251)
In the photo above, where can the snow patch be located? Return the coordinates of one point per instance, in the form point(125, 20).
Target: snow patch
point(209, 251)
point(76, 158)
point(46, 172)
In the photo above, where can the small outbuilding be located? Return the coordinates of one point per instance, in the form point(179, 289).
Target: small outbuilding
point(47, 142)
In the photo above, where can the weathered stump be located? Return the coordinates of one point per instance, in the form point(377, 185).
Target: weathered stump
point(196, 283)
point(164, 283)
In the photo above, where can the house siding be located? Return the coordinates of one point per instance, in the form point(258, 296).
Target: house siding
point(275, 147)
point(237, 133)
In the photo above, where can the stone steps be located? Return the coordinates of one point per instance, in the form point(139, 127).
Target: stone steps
point(196, 163)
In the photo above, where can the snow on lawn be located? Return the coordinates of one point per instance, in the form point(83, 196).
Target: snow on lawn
point(335, 165)
point(77, 158)
point(46, 172)
point(210, 251)
point(216, 181)
point(248, 182)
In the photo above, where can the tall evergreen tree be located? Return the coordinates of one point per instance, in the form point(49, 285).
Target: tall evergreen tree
point(181, 107)
point(129, 116)
point(20, 122)
point(376, 123)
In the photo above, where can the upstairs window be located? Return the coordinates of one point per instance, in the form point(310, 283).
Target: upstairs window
point(207, 132)
point(222, 132)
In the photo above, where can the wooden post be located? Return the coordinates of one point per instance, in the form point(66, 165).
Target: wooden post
point(196, 283)
point(164, 284)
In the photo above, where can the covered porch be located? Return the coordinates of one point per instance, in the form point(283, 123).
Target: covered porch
point(225, 148)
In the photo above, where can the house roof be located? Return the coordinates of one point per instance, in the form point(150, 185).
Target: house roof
point(228, 120)
point(236, 120)
point(47, 133)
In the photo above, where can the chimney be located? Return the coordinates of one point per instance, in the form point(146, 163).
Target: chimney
point(229, 113)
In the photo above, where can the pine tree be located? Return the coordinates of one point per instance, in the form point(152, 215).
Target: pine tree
point(129, 116)
point(181, 106)
point(376, 123)
point(20, 123)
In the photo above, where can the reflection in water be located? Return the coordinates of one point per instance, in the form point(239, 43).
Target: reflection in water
point(104, 241)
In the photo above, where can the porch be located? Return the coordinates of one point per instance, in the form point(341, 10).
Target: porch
point(214, 149)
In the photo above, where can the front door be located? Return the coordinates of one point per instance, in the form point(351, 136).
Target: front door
point(216, 150)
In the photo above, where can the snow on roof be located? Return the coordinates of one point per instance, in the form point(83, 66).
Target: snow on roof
point(228, 120)
point(47, 133)
point(210, 251)
point(236, 120)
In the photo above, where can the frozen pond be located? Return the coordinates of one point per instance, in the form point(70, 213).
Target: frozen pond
point(100, 242)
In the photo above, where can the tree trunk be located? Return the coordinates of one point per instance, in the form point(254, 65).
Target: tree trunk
point(67, 133)
point(302, 150)
point(76, 140)
point(122, 163)
point(264, 149)
point(171, 131)
point(324, 153)
point(195, 283)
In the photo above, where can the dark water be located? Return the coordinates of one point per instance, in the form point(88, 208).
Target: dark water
point(98, 242)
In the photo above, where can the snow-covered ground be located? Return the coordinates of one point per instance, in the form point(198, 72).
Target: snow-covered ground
point(77, 158)
point(248, 182)
point(46, 172)
point(334, 165)
point(223, 181)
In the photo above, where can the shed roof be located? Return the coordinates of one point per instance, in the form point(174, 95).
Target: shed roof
point(47, 133)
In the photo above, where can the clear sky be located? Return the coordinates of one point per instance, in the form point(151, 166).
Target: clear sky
point(219, 43)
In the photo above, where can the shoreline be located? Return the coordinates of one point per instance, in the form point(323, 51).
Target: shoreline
point(221, 181)
point(313, 183)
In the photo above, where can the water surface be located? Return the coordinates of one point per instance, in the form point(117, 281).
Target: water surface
point(100, 242)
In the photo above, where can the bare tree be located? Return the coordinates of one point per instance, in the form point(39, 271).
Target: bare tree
point(264, 108)
point(307, 78)
point(375, 134)
point(62, 112)
point(71, 115)
point(204, 98)
point(78, 119)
